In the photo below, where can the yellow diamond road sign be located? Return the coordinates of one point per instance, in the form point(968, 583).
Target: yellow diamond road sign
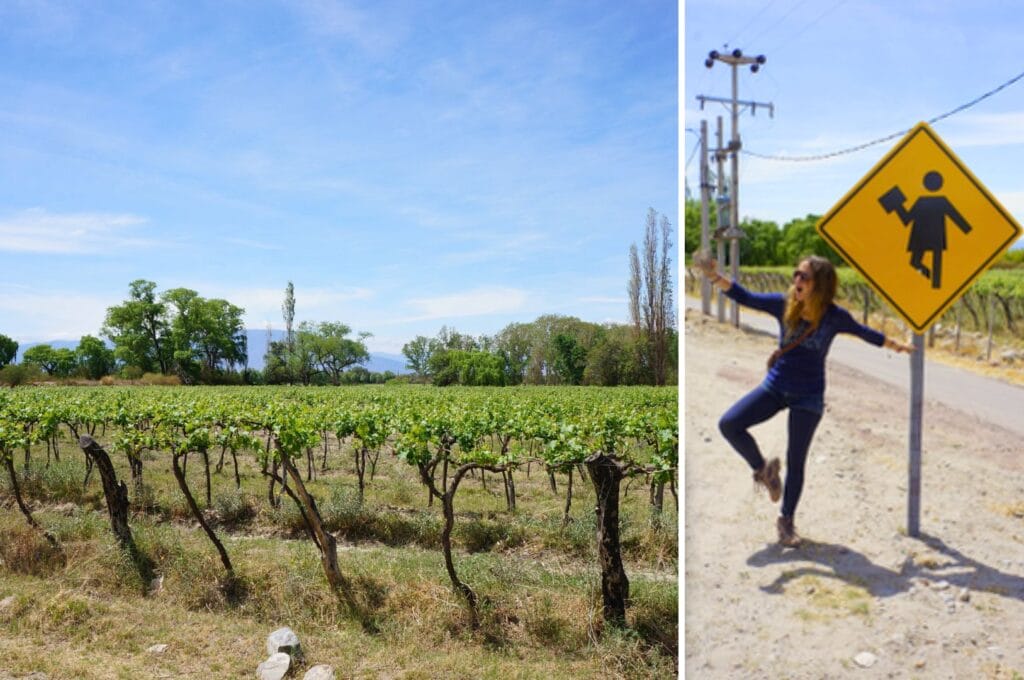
point(920, 227)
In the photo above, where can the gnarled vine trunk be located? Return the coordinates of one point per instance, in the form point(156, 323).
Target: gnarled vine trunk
point(606, 474)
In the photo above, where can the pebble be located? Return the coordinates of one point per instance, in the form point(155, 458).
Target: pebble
point(157, 649)
point(940, 585)
point(865, 659)
point(319, 672)
point(965, 595)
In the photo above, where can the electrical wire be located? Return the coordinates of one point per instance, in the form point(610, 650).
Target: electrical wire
point(873, 142)
point(751, 22)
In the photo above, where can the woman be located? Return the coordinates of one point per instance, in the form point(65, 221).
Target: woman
point(808, 321)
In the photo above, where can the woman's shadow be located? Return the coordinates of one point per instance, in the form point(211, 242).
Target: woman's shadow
point(842, 563)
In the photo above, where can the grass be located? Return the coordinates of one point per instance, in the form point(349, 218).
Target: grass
point(94, 617)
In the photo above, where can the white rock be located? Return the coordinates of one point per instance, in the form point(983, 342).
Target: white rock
point(940, 585)
point(7, 603)
point(320, 672)
point(965, 595)
point(157, 649)
point(274, 668)
point(865, 659)
point(284, 640)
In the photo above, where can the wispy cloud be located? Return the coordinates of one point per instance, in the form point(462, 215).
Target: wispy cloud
point(477, 302)
point(40, 316)
point(39, 231)
point(250, 243)
point(986, 129)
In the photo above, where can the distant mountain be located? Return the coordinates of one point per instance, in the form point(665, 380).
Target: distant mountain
point(257, 343)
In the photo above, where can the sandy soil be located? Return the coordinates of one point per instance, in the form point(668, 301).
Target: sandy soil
point(860, 598)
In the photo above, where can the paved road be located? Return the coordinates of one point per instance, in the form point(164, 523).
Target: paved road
point(991, 400)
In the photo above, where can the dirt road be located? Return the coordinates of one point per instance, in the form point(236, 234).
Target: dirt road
point(860, 598)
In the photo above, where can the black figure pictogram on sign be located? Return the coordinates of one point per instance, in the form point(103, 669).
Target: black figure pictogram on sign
point(928, 231)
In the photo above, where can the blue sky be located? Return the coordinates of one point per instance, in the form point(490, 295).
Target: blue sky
point(407, 165)
point(844, 72)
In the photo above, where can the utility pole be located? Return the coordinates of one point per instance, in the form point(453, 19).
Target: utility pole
point(705, 198)
point(722, 214)
point(734, 233)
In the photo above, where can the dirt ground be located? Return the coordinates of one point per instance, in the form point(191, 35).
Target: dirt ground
point(860, 598)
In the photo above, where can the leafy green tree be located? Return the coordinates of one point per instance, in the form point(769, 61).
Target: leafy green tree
point(466, 367)
point(570, 359)
point(207, 337)
point(43, 356)
point(59, 363)
point(800, 238)
point(138, 328)
point(8, 350)
point(330, 349)
point(94, 357)
point(514, 344)
point(691, 226)
point(761, 244)
point(417, 354)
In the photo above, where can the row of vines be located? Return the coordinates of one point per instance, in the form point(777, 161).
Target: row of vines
point(604, 434)
point(993, 306)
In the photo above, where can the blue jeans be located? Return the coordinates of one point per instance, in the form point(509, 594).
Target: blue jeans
point(760, 405)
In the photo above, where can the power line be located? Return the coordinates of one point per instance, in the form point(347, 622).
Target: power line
point(873, 142)
point(751, 22)
point(791, 40)
point(777, 21)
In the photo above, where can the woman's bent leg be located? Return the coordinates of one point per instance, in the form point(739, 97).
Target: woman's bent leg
point(758, 406)
point(802, 424)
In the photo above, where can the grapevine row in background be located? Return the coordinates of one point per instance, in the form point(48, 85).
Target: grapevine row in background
point(993, 306)
point(444, 434)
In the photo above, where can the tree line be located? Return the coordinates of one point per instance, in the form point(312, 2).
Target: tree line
point(765, 243)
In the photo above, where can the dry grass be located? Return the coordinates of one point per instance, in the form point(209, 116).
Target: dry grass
point(537, 581)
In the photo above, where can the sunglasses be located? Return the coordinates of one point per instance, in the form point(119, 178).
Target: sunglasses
point(802, 275)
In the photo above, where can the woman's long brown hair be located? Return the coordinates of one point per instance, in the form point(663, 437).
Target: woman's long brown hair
point(814, 305)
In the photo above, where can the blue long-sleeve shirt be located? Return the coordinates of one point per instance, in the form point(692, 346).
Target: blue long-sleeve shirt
point(801, 370)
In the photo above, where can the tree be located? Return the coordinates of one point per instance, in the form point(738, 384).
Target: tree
point(800, 238)
point(691, 234)
point(288, 311)
point(43, 356)
point(330, 349)
point(650, 295)
point(514, 344)
point(8, 350)
point(570, 359)
point(138, 328)
point(760, 246)
point(94, 357)
point(466, 367)
point(417, 354)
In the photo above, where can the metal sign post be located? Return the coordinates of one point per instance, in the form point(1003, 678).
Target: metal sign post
point(914, 460)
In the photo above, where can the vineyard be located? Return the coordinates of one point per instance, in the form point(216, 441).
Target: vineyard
point(987, 322)
point(451, 472)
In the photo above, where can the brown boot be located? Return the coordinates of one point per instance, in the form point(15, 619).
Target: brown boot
point(768, 477)
point(788, 537)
